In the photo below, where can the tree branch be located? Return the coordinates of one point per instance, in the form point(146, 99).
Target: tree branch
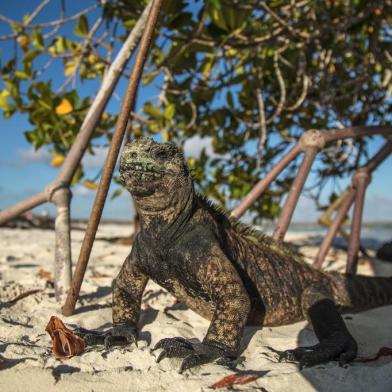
point(263, 128)
point(301, 99)
point(86, 42)
point(282, 88)
point(35, 13)
point(282, 22)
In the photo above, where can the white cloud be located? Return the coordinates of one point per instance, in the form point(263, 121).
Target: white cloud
point(306, 210)
point(195, 145)
point(97, 160)
point(82, 191)
point(28, 155)
point(378, 207)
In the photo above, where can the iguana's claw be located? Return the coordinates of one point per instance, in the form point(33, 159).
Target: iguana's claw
point(172, 352)
point(114, 340)
point(194, 354)
point(94, 339)
point(119, 335)
point(193, 360)
point(338, 347)
point(174, 343)
point(173, 347)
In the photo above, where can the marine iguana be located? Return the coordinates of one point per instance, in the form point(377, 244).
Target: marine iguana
point(224, 270)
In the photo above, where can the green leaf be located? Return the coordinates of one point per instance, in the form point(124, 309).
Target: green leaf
point(60, 45)
point(44, 104)
point(208, 63)
point(149, 77)
point(73, 97)
point(28, 68)
point(129, 24)
point(4, 104)
point(378, 68)
point(216, 4)
point(81, 28)
point(234, 18)
point(155, 128)
point(22, 75)
point(216, 16)
point(170, 111)
point(13, 87)
point(16, 28)
point(37, 39)
point(9, 67)
point(116, 193)
point(77, 176)
point(70, 67)
point(152, 111)
point(31, 55)
point(30, 136)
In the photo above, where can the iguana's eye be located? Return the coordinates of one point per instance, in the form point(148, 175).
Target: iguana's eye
point(162, 154)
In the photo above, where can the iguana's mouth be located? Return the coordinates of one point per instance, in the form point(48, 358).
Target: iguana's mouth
point(145, 175)
point(146, 172)
point(142, 192)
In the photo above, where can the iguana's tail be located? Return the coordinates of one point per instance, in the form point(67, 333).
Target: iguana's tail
point(361, 292)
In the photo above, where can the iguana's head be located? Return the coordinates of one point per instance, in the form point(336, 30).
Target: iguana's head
point(156, 174)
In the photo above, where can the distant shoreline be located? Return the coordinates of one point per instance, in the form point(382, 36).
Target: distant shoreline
point(267, 225)
point(370, 224)
point(293, 225)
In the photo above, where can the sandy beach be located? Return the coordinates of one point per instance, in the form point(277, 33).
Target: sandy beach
point(26, 262)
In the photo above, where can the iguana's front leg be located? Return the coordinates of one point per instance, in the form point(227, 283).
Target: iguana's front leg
point(127, 295)
point(220, 280)
point(336, 342)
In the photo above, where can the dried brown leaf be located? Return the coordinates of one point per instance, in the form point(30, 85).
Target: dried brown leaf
point(235, 379)
point(65, 343)
point(99, 275)
point(45, 275)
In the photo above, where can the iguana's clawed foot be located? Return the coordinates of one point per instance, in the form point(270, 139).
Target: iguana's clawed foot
point(119, 335)
point(339, 346)
point(194, 354)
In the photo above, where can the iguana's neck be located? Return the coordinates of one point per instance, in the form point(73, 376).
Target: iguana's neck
point(167, 221)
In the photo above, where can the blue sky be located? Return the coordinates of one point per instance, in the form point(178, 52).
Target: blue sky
point(24, 172)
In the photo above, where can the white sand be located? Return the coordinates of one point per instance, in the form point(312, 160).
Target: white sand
point(24, 252)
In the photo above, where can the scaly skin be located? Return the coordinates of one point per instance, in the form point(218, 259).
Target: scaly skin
point(223, 270)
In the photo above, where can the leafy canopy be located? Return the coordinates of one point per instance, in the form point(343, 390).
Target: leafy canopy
point(249, 76)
